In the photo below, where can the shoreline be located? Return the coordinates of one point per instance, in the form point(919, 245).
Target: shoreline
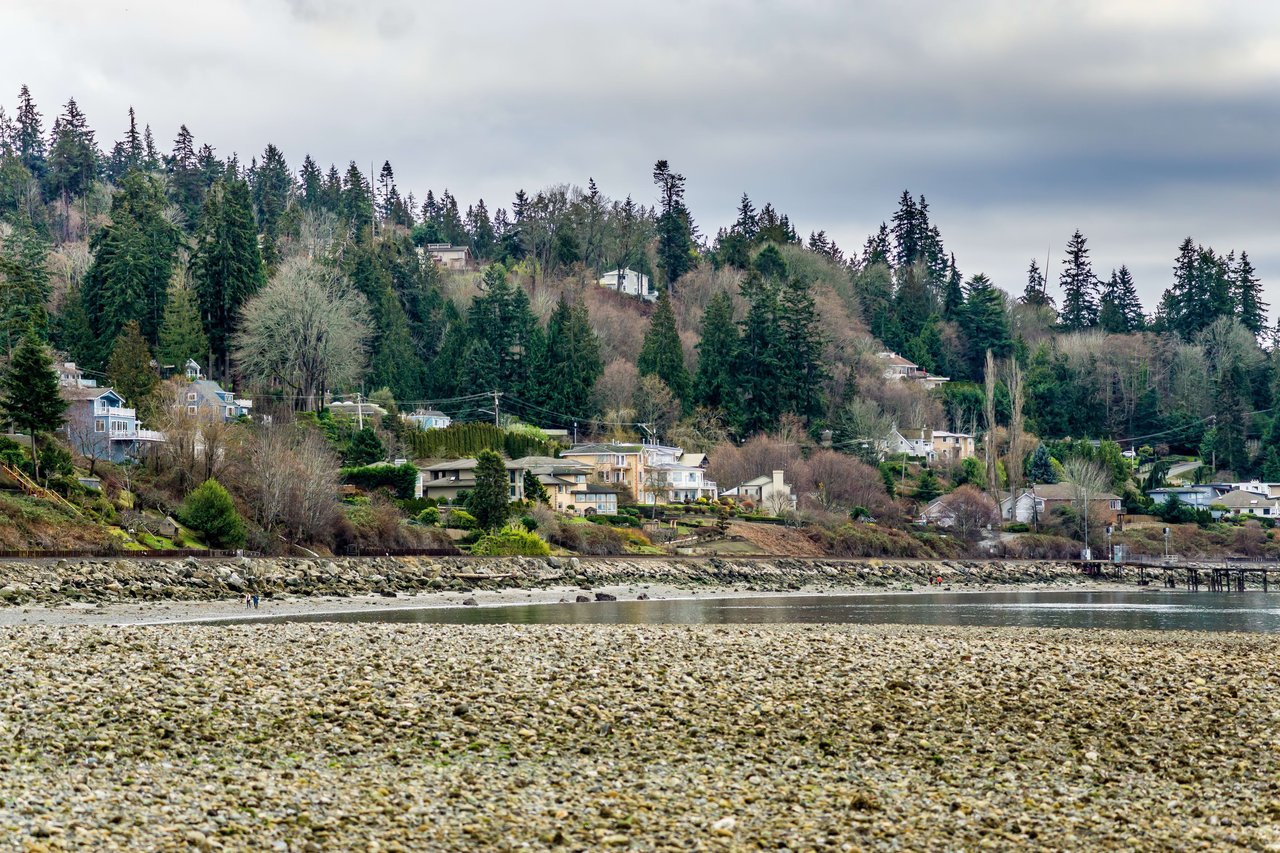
point(277, 610)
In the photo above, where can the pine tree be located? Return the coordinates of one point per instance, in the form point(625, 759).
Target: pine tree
point(927, 486)
point(674, 225)
point(715, 384)
point(1036, 292)
point(130, 371)
point(569, 365)
point(759, 358)
point(489, 501)
point(226, 265)
point(1040, 469)
point(181, 335)
point(29, 396)
point(534, 490)
point(1079, 286)
point(1251, 310)
point(1120, 310)
point(661, 354)
point(312, 184)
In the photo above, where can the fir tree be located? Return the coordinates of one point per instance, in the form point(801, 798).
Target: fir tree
point(133, 260)
point(1079, 286)
point(28, 141)
point(985, 323)
point(356, 204)
point(312, 184)
point(272, 191)
point(129, 154)
point(759, 358)
point(800, 361)
point(534, 490)
point(185, 184)
point(674, 225)
point(130, 371)
point(73, 157)
point(1040, 469)
point(952, 292)
point(1229, 419)
point(661, 354)
point(489, 501)
point(24, 284)
point(71, 330)
point(29, 396)
point(181, 335)
point(927, 486)
point(715, 383)
point(484, 240)
point(877, 249)
point(1250, 308)
point(1036, 292)
point(1120, 311)
point(569, 366)
point(226, 266)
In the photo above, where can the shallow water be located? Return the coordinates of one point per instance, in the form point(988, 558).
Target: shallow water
point(1161, 610)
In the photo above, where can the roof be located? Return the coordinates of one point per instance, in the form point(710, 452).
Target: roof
point(895, 360)
point(1067, 492)
point(592, 449)
point(1240, 499)
point(427, 413)
point(598, 489)
point(942, 433)
point(921, 434)
point(693, 460)
point(75, 392)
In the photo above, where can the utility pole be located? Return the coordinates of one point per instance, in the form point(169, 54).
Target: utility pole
point(360, 411)
point(496, 395)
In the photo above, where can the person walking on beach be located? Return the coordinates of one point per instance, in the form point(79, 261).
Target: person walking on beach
point(248, 601)
point(255, 601)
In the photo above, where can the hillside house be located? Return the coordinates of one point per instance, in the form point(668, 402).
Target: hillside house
point(207, 400)
point(425, 419)
point(100, 426)
point(629, 282)
point(447, 256)
point(933, 445)
point(1038, 502)
point(1200, 497)
point(444, 480)
point(1242, 503)
point(770, 492)
point(897, 369)
point(351, 409)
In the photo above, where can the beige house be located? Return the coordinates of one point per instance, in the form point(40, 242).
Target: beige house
point(897, 369)
point(934, 445)
point(770, 492)
point(1248, 503)
point(449, 257)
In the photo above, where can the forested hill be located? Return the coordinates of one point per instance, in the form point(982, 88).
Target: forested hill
point(295, 281)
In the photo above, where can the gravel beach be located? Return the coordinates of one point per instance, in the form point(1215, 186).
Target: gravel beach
point(428, 737)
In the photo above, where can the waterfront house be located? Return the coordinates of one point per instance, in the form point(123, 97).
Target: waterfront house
point(1240, 503)
point(100, 425)
point(770, 492)
point(1037, 502)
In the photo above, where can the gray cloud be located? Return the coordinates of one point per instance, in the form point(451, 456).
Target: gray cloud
point(1139, 123)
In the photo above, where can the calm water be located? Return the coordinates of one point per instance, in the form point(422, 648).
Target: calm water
point(1164, 610)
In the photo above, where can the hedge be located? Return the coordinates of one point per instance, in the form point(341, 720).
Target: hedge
point(401, 478)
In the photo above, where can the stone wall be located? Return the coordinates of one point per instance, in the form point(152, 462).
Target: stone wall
point(124, 580)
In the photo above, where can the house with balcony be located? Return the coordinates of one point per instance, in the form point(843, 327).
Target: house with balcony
point(770, 492)
point(1038, 501)
point(1242, 503)
point(899, 369)
point(447, 256)
point(934, 445)
point(100, 426)
point(618, 465)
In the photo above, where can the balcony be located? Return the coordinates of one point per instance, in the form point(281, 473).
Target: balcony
point(137, 434)
point(117, 412)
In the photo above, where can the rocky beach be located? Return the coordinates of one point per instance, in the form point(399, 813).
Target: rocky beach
point(415, 737)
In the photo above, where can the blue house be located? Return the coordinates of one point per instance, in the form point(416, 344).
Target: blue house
point(206, 399)
point(429, 419)
point(101, 426)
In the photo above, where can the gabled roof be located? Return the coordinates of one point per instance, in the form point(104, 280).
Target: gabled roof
point(592, 449)
point(1067, 492)
point(75, 392)
point(1240, 499)
point(894, 360)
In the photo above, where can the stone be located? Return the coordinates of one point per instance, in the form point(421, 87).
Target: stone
point(582, 599)
point(606, 596)
point(470, 602)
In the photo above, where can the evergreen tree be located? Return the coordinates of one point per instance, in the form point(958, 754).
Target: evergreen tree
point(952, 292)
point(71, 330)
point(312, 184)
point(365, 448)
point(661, 354)
point(909, 229)
point(186, 188)
point(129, 154)
point(130, 371)
point(181, 335)
point(985, 323)
point(484, 240)
point(74, 156)
point(877, 249)
point(1250, 308)
point(1229, 420)
point(914, 299)
point(1202, 291)
point(29, 397)
point(801, 370)
point(356, 202)
point(927, 486)
point(569, 365)
point(393, 361)
point(674, 225)
point(210, 510)
point(502, 319)
point(133, 260)
point(716, 383)
point(1120, 310)
point(272, 191)
point(24, 284)
point(1079, 286)
point(1040, 469)
point(226, 265)
point(534, 490)
point(758, 406)
point(489, 501)
point(28, 141)
point(1036, 292)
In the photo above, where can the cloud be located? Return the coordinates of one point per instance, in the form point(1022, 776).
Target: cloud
point(1138, 123)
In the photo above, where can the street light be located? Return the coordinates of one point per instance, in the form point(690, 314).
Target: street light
point(1166, 543)
point(1111, 554)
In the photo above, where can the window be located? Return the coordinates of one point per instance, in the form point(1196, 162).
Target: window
point(99, 426)
point(191, 396)
point(191, 410)
point(231, 412)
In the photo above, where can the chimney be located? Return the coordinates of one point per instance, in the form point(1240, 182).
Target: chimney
point(779, 487)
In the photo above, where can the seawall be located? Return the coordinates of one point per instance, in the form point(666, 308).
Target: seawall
point(124, 580)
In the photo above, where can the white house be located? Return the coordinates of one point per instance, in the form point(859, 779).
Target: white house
point(631, 283)
point(1241, 503)
point(770, 492)
point(425, 419)
point(447, 256)
point(897, 368)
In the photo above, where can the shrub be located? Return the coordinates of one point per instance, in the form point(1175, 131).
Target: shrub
point(210, 510)
point(461, 520)
point(511, 542)
point(1017, 527)
point(429, 516)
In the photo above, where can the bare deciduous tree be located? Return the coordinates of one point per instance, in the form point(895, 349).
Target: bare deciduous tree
point(1016, 398)
point(290, 483)
point(307, 330)
point(972, 511)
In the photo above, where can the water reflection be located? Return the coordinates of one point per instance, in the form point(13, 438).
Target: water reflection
point(1161, 610)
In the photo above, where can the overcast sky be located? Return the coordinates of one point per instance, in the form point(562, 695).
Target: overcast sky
point(1138, 121)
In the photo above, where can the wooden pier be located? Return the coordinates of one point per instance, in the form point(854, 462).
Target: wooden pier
point(1230, 575)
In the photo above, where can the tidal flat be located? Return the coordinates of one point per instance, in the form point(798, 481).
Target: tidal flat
point(658, 737)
